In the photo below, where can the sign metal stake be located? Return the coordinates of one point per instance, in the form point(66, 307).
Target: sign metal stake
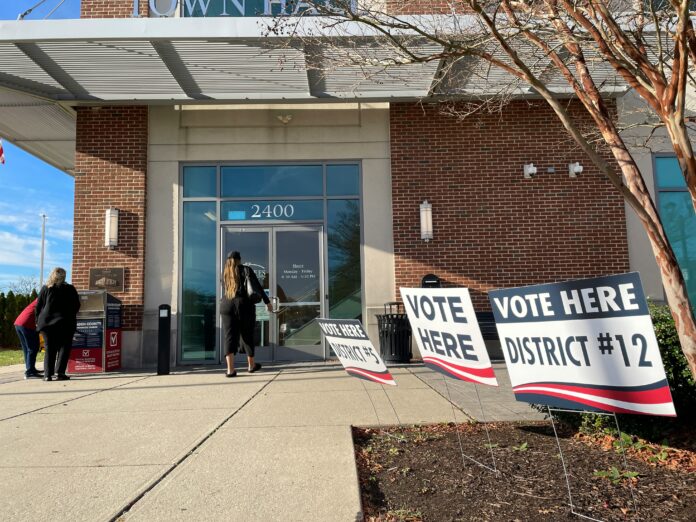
point(459, 436)
point(565, 469)
point(392, 405)
point(485, 425)
point(625, 461)
point(379, 423)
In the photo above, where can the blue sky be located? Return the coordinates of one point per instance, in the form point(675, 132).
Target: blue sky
point(30, 187)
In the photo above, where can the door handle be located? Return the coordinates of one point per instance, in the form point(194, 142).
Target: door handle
point(275, 304)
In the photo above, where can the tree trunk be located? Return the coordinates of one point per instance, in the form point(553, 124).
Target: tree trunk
point(679, 304)
point(672, 278)
point(640, 200)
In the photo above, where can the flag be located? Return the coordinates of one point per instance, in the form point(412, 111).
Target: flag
point(2, 153)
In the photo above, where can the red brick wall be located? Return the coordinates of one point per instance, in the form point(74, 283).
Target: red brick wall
point(110, 171)
point(111, 8)
point(414, 7)
point(492, 227)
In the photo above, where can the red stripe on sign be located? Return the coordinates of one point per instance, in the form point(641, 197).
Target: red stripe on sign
point(382, 378)
point(462, 375)
point(595, 404)
point(479, 372)
point(657, 396)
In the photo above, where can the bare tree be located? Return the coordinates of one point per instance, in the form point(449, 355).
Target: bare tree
point(24, 285)
point(554, 49)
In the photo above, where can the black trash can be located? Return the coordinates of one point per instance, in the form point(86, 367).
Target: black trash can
point(394, 334)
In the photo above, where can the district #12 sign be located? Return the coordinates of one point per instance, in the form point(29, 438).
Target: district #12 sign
point(447, 332)
point(587, 344)
point(353, 348)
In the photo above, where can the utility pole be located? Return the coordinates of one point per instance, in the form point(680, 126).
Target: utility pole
point(43, 241)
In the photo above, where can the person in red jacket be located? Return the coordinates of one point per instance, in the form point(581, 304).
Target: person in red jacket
point(25, 325)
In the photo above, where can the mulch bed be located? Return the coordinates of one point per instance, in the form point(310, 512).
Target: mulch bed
point(417, 473)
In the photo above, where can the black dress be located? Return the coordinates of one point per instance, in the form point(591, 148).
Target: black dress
point(239, 315)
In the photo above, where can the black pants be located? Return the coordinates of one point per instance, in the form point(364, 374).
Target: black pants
point(58, 343)
point(238, 322)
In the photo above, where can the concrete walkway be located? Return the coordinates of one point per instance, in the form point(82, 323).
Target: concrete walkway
point(275, 445)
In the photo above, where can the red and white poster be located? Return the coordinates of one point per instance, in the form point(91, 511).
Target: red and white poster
point(353, 348)
point(113, 350)
point(586, 344)
point(85, 360)
point(444, 324)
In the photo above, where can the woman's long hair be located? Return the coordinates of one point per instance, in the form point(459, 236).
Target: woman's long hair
point(231, 279)
point(56, 278)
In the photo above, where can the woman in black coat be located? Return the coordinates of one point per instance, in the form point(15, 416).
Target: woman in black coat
point(56, 319)
point(237, 312)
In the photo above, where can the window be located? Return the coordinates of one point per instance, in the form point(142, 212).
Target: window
point(342, 180)
point(199, 182)
point(272, 180)
point(273, 195)
point(678, 217)
point(345, 295)
point(198, 279)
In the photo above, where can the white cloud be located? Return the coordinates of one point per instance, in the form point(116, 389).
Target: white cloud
point(21, 251)
point(17, 250)
point(30, 225)
point(24, 217)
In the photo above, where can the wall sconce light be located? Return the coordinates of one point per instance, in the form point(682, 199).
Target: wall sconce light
point(574, 169)
point(426, 221)
point(529, 170)
point(284, 118)
point(111, 228)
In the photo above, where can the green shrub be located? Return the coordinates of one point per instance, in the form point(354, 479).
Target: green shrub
point(681, 382)
point(11, 305)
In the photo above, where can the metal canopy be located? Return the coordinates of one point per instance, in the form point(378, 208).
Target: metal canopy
point(189, 60)
point(44, 129)
point(48, 66)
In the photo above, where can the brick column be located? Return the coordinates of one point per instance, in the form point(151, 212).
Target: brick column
point(492, 227)
point(110, 171)
point(111, 8)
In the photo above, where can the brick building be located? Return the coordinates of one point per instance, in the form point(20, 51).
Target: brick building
point(208, 138)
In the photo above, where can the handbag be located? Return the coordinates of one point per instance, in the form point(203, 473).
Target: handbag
point(253, 295)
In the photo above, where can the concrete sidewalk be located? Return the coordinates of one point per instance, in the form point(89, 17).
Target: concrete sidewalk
point(275, 445)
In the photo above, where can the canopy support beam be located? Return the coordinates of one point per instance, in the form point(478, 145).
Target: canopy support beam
point(50, 67)
point(180, 73)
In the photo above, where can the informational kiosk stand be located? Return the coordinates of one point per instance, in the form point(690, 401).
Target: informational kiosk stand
point(96, 346)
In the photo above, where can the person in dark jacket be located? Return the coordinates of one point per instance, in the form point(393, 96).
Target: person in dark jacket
point(25, 325)
point(56, 319)
point(237, 311)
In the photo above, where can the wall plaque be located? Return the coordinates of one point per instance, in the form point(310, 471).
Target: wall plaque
point(109, 279)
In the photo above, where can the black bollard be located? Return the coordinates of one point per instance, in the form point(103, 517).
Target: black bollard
point(164, 336)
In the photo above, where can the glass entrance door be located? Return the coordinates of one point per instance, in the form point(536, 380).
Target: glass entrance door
point(288, 262)
point(298, 284)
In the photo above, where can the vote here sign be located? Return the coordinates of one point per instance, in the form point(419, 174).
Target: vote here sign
point(354, 349)
point(587, 344)
point(450, 341)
